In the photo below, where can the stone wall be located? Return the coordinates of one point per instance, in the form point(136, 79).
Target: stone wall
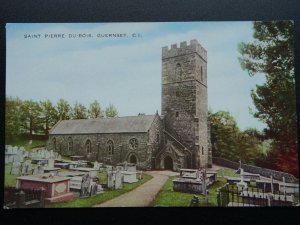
point(255, 169)
point(99, 146)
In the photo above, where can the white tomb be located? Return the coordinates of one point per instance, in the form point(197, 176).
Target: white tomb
point(129, 176)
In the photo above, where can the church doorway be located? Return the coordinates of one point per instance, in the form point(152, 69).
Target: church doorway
point(168, 163)
point(133, 159)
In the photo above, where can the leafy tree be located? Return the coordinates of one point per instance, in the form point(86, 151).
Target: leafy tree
point(271, 54)
point(95, 110)
point(111, 111)
point(48, 114)
point(79, 111)
point(12, 117)
point(224, 135)
point(63, 110)
point(30, 117)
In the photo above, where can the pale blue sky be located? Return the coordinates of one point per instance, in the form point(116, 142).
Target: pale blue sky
point(125, 71)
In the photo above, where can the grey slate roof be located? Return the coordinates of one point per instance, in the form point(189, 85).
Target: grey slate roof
point(129, 124)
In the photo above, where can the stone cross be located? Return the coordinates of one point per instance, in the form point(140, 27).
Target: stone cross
point(242, 175)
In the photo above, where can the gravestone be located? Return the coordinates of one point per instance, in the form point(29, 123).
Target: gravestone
point(204, 191)
point(16, 168)
point(50, 163)
point(26, 168)
point(47, 155)
point(110, 181)
point(94, 188)
point(284, 187)
point(118, 180)
point(96, 165)
point(272, 185)
point(85, 185)
point(140, 175)
point(59, 157)
point(51, 154)
point(38, 170)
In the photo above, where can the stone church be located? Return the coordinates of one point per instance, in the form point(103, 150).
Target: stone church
point(178, 138)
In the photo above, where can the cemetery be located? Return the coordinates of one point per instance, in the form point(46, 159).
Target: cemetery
point(61, 180)
point(44, 178)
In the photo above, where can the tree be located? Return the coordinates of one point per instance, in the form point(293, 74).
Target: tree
point(95, 110)
point(48, 114)
point(12, 117)
point(79, 111)
point(111, 111)
point(224, 135)
point(30, 117)
point(271, 54)
point(63, 110)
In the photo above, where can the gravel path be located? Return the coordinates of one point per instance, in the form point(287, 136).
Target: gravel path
point(143, 195)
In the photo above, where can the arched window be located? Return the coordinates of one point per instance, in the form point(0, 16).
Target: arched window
point(70, 144)
point(178, 70)
point(110, 147)
point(157, 137)
point(54, 143)
point(88, 146)
point(133, 143)
point(202, 151)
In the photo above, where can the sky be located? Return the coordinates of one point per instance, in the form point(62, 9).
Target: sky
point(78, 63)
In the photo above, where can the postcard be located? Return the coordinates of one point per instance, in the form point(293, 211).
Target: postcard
point(191, 114)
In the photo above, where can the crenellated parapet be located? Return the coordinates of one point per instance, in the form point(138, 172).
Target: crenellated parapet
point(184, 48)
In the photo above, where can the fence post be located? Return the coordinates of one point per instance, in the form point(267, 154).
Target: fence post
point(219, 198)
point(42, 197)
point(20, 200)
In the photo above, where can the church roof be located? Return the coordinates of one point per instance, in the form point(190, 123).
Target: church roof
point(128, 124)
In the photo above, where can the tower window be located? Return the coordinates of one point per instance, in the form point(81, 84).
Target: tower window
point(201, 74)
point(157, 138)
point(202, 151)
point(177, 114)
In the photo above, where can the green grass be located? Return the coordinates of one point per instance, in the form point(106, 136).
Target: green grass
point(25, 143)
point(168, 197)
point(98, 199)
point(227, 172)
point(9, 180)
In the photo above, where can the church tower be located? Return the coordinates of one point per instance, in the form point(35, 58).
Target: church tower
point(184, 99)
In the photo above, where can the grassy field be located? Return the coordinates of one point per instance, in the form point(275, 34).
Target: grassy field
point(167, 197)
point(25, 143)
point(98, 199)
point(228, 172)
point(9, 180)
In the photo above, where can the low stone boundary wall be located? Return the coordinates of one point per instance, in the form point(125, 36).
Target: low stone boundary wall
point(255, 169)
